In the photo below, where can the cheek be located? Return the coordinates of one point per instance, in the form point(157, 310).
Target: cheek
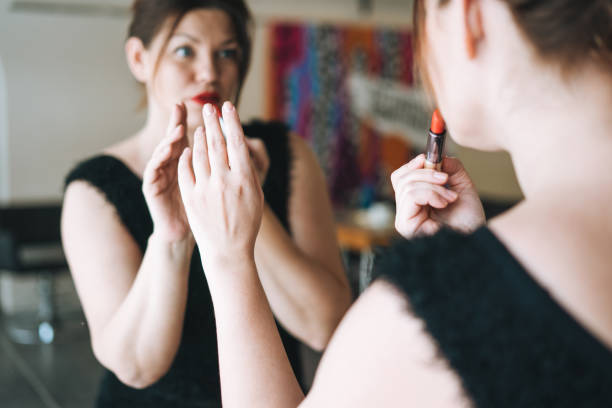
point(171, 79)
point(229, 80)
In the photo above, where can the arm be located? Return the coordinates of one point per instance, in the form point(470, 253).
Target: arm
point(134, 304)
point(381, 356)
point(254, 367)
point(302, 275)
point(224, 204)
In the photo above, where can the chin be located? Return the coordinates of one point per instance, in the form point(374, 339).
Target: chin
point(477, 144)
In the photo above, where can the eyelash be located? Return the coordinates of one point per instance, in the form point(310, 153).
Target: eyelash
point(230, 53)
point(186, 51)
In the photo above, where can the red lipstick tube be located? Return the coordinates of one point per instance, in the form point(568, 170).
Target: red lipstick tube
point(434, 153)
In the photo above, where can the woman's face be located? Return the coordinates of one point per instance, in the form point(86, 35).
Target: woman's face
point(199, 65)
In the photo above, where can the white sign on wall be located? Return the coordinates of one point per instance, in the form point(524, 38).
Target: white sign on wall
point(391, 107)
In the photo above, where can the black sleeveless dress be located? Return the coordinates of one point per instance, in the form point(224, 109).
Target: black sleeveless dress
point(193, 378)
point(508, 340)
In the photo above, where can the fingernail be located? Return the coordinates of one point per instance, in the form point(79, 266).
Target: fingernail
point(440, 176)
point(228, 106)
point(209, 110)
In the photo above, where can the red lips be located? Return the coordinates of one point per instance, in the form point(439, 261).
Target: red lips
point(207, 97)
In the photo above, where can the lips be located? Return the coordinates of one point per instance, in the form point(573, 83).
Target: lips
point(207, 97)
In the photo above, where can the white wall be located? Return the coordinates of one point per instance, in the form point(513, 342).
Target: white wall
point(69, 91)
point(69, 94)
point(4, 152)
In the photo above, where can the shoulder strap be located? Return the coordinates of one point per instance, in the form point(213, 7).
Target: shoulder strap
point(121, 188)
point(510, 342)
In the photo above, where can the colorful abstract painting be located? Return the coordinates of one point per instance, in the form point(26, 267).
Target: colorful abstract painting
point(349, 91)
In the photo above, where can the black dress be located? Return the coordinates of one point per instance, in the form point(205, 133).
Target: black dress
point(509, 341)
point(193, 378)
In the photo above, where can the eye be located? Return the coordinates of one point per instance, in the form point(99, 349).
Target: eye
point(229, 53)
point(184, 51)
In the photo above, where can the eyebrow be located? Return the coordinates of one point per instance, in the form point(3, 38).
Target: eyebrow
point(196, 40)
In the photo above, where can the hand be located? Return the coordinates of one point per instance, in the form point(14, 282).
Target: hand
point(160, 181)
point(220, 189)
point(427, 199)
point(260, 157)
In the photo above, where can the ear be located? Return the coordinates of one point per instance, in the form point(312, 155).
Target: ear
point(474, 32)
point(136, 55)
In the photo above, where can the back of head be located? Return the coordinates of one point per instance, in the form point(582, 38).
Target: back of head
point(569, 33)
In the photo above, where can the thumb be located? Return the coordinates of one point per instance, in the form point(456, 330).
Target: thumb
point(259, 153)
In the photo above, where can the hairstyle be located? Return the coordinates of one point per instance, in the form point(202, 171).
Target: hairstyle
point(150, 16)
point(562, 31)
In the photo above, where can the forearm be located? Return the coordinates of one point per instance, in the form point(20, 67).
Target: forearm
point(141, 339)
point(254, 367)
point(305, 296)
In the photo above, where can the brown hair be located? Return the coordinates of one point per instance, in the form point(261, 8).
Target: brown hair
point(150, 16)
point(562, 31)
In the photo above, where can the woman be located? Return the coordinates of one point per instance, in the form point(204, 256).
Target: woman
point(127, 239)
point(516, 313)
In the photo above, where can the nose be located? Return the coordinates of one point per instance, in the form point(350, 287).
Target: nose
point(206, 69)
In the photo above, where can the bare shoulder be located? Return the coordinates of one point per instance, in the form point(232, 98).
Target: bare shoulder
point(381, 356)
point(88, 219)
point(128, 151)
point(568, 253)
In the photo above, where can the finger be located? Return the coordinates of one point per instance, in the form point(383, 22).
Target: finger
point(458, 176)
point(183, 114)
point(451, 165)
point(175, 118)
point(186, 178)
point(217, 149)
point(450, 195)
point(159, 158)
point(414, 164)
point(237, 149)
point(412, 201)
point(183, 142)
point(177, 142)
point(408, 225)
point(167, 147)
point(259, 153)
point(201, 165)
point(423, 175)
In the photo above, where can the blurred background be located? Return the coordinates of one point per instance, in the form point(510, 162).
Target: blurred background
point(338, 72)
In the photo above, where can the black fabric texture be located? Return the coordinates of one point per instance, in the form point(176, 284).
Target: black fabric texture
point(509, 341)
point(193, 378)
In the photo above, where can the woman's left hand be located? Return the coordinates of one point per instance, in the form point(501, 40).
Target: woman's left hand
point(260, 157)
point(220, 189)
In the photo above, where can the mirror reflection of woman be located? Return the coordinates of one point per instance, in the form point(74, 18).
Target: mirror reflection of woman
point(514, 313)
point(126, 235)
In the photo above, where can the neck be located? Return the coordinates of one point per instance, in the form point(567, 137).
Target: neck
point(154, 130)
point(561, 141)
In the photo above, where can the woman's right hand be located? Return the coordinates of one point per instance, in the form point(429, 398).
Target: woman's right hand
point(221, 190)
point(160, 181)
point(427, 200)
